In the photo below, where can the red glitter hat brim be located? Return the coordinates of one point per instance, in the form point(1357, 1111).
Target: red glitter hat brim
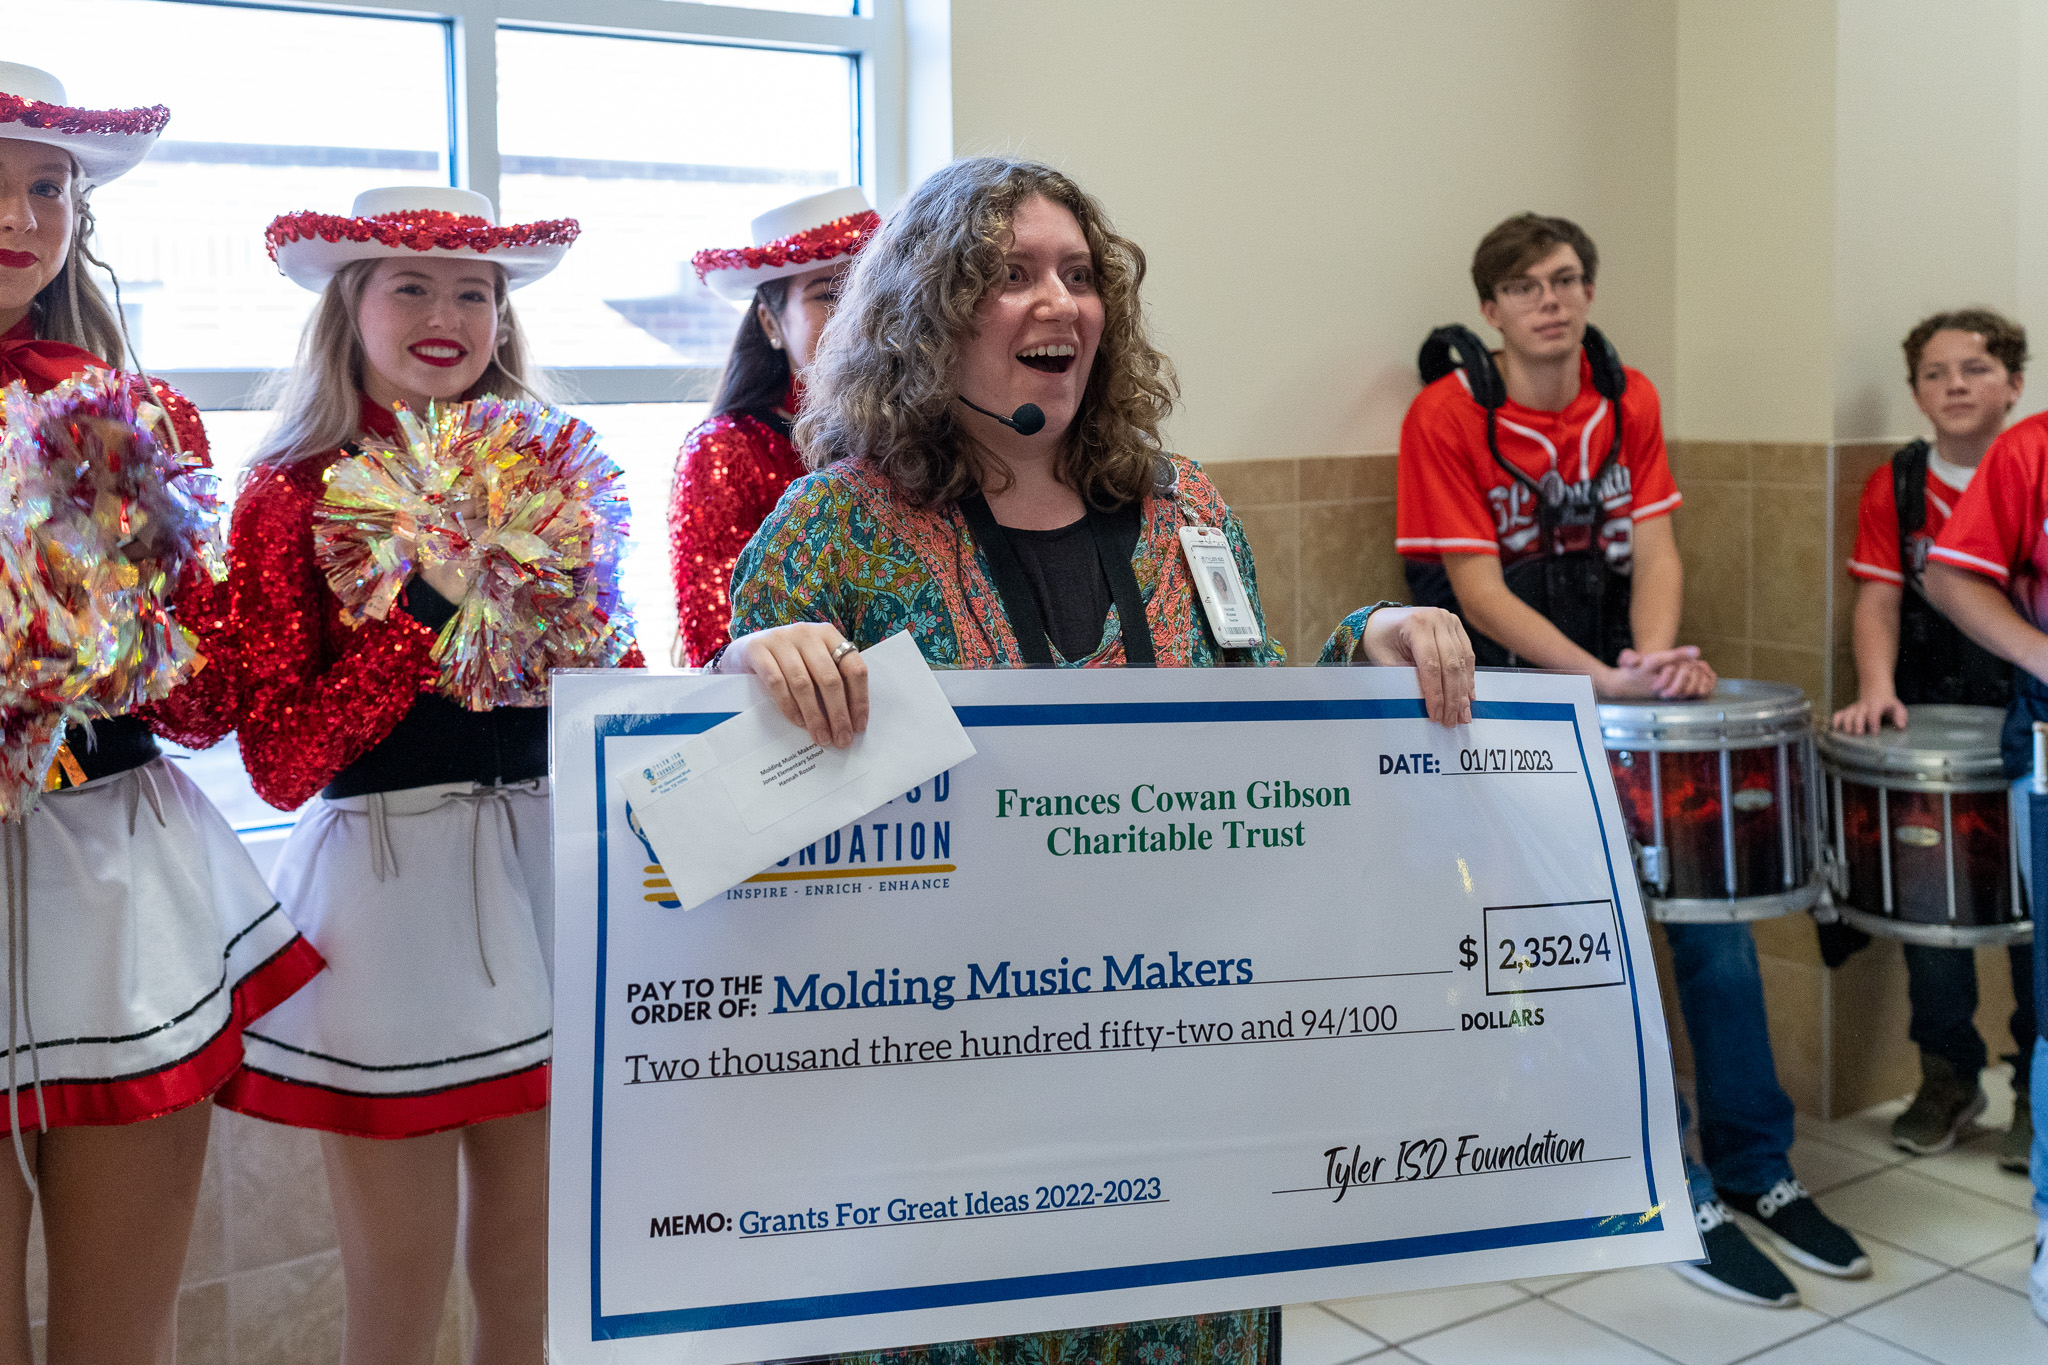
point(812, 246)
point(60, 118)
point(424, 230)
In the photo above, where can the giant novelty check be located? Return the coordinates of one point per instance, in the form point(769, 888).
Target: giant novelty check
point(1192, 990)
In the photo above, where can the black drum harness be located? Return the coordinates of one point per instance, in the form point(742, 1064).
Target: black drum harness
point(1937, 662)
point(1575, 589)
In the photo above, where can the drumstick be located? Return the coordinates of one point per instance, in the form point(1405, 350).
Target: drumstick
point(2041, 758)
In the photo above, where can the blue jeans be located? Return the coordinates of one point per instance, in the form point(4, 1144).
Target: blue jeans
point(2030, 816)
point(1745, 1116)
point(1941, 983)
point(2037, 1161)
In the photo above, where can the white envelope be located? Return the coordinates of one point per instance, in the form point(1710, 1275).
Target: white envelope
point(751, 791)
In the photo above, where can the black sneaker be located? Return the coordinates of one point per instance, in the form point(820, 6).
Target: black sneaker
point(1787, 1212)
point(1734, 1267)
point(1947, 1103)
point(2016, 1147)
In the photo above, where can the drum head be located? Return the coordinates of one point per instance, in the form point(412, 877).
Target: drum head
point(1738, 711)
point(1939, 743)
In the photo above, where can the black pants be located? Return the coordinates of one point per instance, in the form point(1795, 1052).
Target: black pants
point(1942, 985)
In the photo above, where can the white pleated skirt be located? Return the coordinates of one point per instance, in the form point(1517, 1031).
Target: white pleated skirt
point(141, 943)
point(434, 909)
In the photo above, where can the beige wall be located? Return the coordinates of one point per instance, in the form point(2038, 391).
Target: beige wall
point(1780, 188)
point(1754, 220)
point(1932, 181)
point(1844, 168)
point(1309, 179)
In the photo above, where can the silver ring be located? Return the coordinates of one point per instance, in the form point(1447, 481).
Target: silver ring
point(845, 648)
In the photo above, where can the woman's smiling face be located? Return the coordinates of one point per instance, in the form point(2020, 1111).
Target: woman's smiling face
point(37, 218)
point(1036, 332)
point(429, 328)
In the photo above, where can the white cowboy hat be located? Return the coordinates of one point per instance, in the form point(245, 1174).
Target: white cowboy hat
point(104, 142)
point(790, 240)
point(407, 222)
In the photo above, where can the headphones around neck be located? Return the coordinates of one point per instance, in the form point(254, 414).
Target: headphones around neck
point(1456, 347)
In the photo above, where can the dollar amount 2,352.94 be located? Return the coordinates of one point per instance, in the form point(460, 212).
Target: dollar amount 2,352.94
point(1552, 950)
point(1559, 946)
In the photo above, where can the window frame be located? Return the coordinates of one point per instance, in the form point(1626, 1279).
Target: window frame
point(874, 37)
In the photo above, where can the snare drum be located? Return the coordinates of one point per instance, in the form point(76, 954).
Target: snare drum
point(1720, 799)
point(1923, 847)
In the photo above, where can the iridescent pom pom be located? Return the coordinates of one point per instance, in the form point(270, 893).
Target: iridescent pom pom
point(520, 497)
point(99, 519)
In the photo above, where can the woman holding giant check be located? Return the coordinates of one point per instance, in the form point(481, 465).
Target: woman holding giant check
point(983, 419)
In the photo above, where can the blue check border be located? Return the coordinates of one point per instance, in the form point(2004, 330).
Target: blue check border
point(761, 1312)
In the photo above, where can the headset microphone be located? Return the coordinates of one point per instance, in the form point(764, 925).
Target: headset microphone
point(1027, 420)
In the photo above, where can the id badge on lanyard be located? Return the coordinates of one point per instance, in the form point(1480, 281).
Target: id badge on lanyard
point(1214, 569)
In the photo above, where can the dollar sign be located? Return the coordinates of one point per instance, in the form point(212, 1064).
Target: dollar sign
point(1468, 955)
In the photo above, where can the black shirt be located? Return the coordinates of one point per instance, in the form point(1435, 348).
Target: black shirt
point(105, 747)
point(442, 741)
point(1067, 580)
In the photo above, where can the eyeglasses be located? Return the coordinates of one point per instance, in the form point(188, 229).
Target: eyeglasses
point(1525, 289)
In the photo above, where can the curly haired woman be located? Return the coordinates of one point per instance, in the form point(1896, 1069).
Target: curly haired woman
point(1047, 537)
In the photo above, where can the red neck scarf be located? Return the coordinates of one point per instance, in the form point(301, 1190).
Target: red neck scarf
point(377, 421)
point(42, 365)
point(792, 399)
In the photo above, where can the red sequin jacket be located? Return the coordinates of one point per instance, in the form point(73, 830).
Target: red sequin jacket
point(200, 711)
point(316, 694)
point(731, 472)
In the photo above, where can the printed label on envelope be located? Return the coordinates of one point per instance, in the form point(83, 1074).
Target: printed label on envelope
point(779, 779)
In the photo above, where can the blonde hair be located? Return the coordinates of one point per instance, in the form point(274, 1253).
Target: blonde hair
point(71, 308)
point(318, 401)
point(881, 385)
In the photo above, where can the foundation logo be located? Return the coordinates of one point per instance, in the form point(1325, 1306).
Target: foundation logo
point(906, 845)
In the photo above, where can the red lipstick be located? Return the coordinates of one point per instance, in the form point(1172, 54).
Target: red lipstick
point(422, 352)
point(17, 260)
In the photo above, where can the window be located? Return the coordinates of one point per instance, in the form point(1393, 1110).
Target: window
point(800, 6)
point(662, 127)
point(644, 438)
point(677, 147)
point(329, 104)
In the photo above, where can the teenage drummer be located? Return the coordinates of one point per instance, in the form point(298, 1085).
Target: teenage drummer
point(1988, 571)
point(1534, 499)
point(1534, 496)
point(1965, 372)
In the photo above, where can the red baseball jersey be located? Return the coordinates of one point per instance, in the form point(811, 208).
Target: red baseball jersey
point(1999, 523)
point(1876, 557)
point(1454, 498)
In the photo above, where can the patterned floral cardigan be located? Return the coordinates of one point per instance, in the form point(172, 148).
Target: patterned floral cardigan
point(841, 547)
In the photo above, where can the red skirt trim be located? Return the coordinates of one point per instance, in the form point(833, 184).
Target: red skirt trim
point(175, 1085)
point(265, 1095)
point(277, 980)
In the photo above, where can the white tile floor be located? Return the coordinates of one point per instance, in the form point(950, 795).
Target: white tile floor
point(1950, 1238)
